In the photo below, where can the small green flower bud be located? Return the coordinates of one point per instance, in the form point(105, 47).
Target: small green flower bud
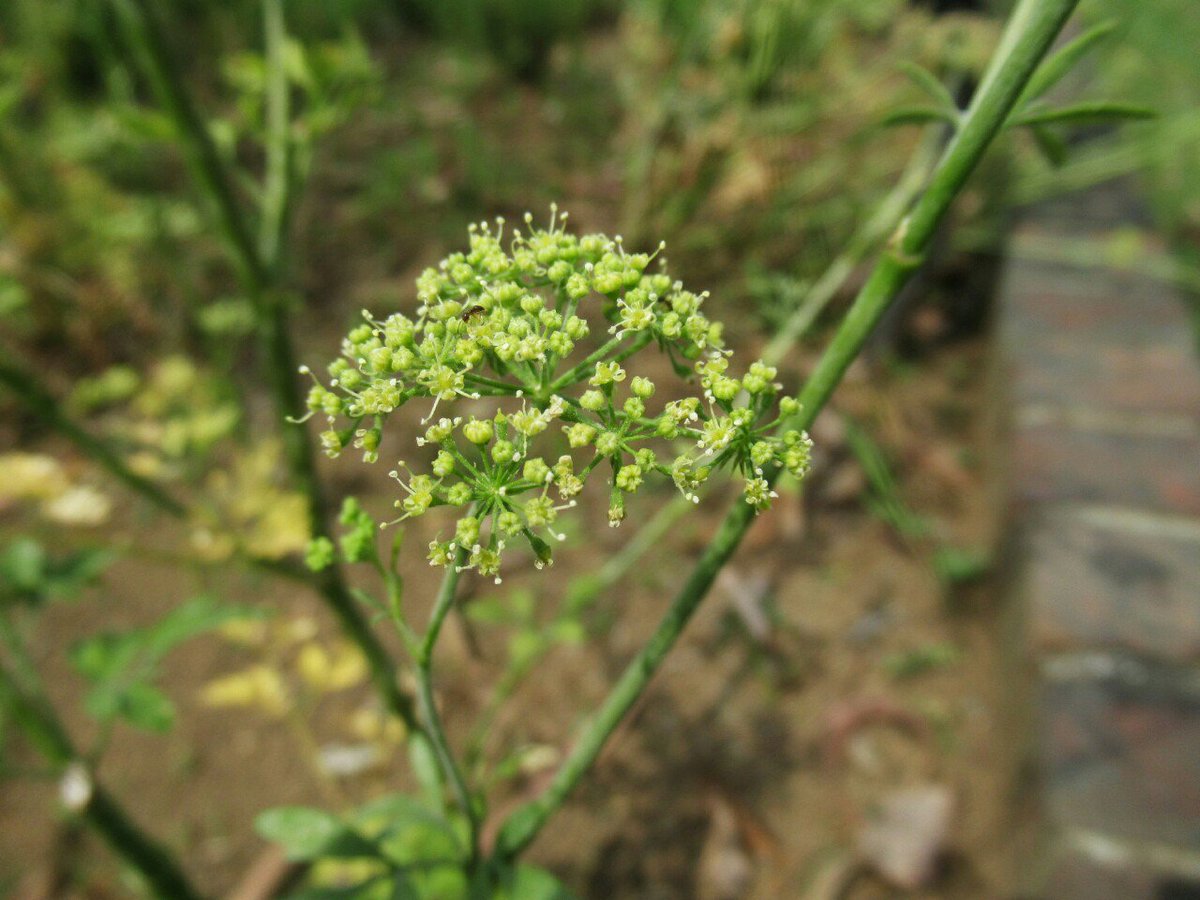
point(478, 431)
point(509, 522)
point(352, 379)
point(540, 512)
point(629, 478)
point(443, 464)
point(789, 406)
point(381, 360)
point(560, 344)
point(440, 553)
point(607, 372)
point(593, 401)
point(578, 287)
point(608, 443)
point(579, 434)
point(439, 431)
point(576, 328)
point(535, 470)
point(559, 272)
point(634, 407)
point(504, 452)
point(466, 531)
point(761, 453)
point(459, 494)
point(319, 554)
point(725, 388)
point(641, 387)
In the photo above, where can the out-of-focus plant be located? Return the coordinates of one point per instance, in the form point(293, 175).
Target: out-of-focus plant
point(520, 34)
point(120, 669)
point(740, 113)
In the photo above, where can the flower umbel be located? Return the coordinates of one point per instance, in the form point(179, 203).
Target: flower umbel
point(509, 321)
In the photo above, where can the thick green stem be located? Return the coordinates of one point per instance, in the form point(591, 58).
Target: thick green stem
point(1032, 29)
point(429, 713)
point(101, 811)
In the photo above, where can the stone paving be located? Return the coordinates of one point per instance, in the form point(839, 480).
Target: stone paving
point(1103, 383)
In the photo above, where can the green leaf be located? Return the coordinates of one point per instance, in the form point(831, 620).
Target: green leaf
point(399, 811)
point(1052, 71)
point(122, 666)
point(306, 833)
point(23, 567)
point(960, 565)
point(30, 575)
point(918, 115)
point(929, 83)
point(1085, 114)
point(531, 883)
point(193, 618)
point(358, 891)
point(427, 770)
point(1052, 147)
point(147, 707)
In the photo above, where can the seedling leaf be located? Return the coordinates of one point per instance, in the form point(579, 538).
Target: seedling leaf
point(929, 83)
point(1063, 61)
point(919, 115)
point(307, 833)
point(1085, 114)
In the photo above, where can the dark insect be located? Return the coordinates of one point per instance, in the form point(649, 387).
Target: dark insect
point(471, 313)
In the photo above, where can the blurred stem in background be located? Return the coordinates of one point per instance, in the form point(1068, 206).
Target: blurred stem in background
point(22, 696)
point(1031, 30)
point(261, 270)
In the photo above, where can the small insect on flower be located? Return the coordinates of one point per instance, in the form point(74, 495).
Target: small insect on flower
point(472, 312)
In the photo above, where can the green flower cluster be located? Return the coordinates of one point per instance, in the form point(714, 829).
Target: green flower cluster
point(512, 323)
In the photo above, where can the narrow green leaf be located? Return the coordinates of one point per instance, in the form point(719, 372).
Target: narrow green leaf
point(1053, 147)
point(918, 115)
point(193, 618)
point(531, 883)
point(1061, 62)
point(929, 83)
point(147, 707)
point(428, 771)
point(364, 890)
point(1085, 114)
point(307, 833)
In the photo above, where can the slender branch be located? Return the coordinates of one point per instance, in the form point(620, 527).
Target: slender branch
point(876, 229)
point(588, 364)
point(261, 280)
point(277, 193)
point(149, 45)
point(580, 595)
point(33, 713)
point(1032, 28)
point(42, 404)
point(433, 722)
